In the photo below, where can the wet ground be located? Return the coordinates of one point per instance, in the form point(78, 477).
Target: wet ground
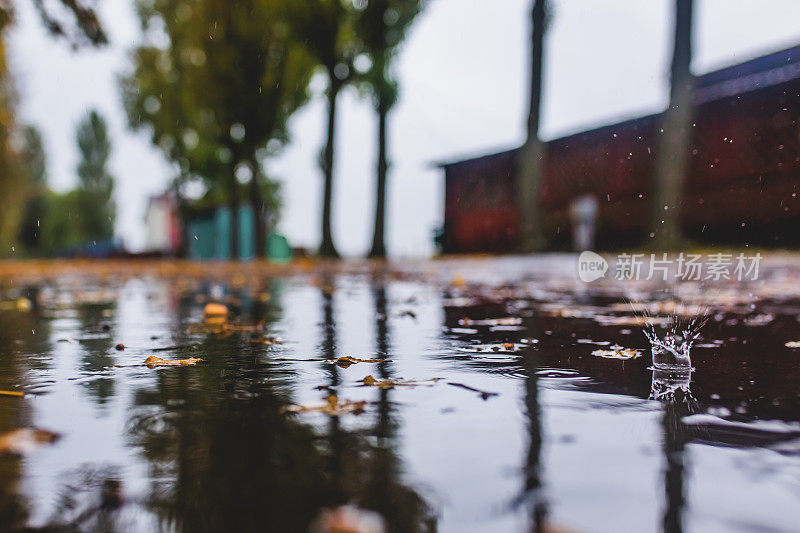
point(491, 405)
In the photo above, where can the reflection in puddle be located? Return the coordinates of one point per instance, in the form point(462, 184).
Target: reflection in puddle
point(481, 407)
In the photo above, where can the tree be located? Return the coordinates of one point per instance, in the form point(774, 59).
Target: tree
point(672, 154)
point(220, 93)
point(96, 185)
point(327, 27)
point(382, 26)
point(256, 76)
point(13, 178)
point(34, 161)
point(530, 170)
point(75, 21)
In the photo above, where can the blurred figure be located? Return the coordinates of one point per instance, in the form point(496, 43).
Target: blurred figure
point(583, 214)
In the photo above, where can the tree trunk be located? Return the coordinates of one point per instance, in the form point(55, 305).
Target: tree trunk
point(378, 237)
point(233, 205)
point(257, 204)
point(530, 163)
point(327, 248)
point(672, 155)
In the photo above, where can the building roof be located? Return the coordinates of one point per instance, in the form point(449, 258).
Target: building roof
point(764, 71)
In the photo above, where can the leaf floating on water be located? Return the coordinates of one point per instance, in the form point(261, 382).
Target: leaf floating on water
point(215, 314)
point(153, 361)
point(370, 381)
point(507, 321)
point(504, 347)
point(21, 441)
point(11, 393)
point(618, 352)
point(332, 407)
point(347, 361)
point(759, 320)
point(792, 344)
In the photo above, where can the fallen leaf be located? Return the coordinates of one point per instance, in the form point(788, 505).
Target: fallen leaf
point(332, 407)
point(154, 361)
point(507, 321)
point(215, 313)
point(21, 441)
point(618, 352)
point(346, 361)
point(11, 393)
point(370, 381)
point(120, 347)
point(494, 348)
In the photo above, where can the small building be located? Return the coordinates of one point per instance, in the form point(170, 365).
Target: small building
point(208, 234)
point(162, 225)
point(743, 178)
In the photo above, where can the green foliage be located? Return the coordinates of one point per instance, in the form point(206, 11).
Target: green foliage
point(217, 87)
point(62, 227)
point(13, 179)
point(96, 185)
point(381, 29)
point(74, 20)
point(34, 161)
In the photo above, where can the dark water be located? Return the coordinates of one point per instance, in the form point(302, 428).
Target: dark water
point(569, 441)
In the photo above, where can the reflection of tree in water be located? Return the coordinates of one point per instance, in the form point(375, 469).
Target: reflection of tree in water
point(225, 458)
point(97, 346)
point(672, 390)
point(24, 345)
point(402, 507)
point(533, 489)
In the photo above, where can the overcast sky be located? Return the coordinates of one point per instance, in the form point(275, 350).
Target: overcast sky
point(463, 73)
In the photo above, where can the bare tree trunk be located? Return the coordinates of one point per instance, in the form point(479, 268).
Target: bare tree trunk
point(672, 155)
point(257, 204)
point(327, 248)
point(378, 237)
point(530, 163)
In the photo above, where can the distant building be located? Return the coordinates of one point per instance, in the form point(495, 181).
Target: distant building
point(162, 225)
point(742, 186)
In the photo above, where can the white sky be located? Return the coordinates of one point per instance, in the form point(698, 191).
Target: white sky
point(463, 73)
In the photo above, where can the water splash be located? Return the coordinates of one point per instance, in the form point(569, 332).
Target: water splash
point(671, 349)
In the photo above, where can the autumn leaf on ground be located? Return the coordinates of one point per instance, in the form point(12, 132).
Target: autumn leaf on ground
point(332, 407)
point(153, 361)
point(21, 441)
point(370, 381)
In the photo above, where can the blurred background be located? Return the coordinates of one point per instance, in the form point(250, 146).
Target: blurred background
point(126, 138)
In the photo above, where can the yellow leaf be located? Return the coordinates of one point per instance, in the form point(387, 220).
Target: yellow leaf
point(154, 361)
